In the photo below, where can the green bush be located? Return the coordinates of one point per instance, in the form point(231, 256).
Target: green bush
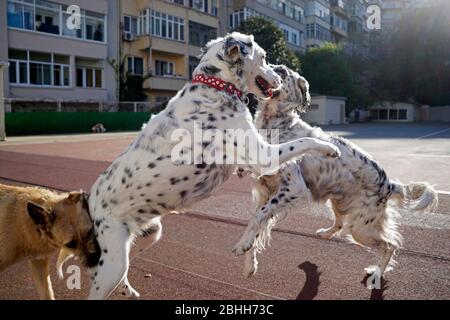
point(28, 123)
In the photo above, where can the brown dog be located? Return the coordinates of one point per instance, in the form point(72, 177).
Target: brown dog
point(35, 222)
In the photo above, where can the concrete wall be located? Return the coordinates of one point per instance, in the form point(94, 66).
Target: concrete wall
point(325, 110)
point(335, 111)
point(441, 114)
point(316, 114)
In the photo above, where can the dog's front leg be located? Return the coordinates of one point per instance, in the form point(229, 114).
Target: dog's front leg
point(40, 269)
point(128, 290)
point(113, 265)
point(262, 157)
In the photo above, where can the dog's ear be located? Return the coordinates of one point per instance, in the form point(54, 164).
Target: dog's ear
point(306, 97)
point(37, 213)
point(75, 196)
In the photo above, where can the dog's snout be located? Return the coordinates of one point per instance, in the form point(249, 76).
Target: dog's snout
point(276, 83)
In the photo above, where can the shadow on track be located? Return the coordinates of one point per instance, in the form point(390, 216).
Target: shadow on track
point(312, 283)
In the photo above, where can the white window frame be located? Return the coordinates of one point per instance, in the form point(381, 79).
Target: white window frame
point(61, 22)
point(52, 65)
point(131, 18)
point(132, 71)
point(170, 65)
point(84, 68)
point(150, 17)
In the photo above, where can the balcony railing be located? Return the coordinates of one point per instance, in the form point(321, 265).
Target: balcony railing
point(170, 83)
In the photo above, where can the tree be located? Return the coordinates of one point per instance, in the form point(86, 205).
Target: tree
point(130, 86)
point(270, 38)
point(413, 63)
point(331, 71)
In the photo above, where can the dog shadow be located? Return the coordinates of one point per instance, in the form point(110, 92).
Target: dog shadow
point(376, 294)
point(312, 283)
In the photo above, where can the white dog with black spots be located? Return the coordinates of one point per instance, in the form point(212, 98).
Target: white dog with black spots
point(356, 185)
point(145, 182)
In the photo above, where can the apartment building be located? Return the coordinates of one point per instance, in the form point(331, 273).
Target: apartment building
point(392, 11)
point(339, 20)
point(163, 39)
point(287, 14)
point(358, 34)
point(317, 21)
point(50, 59)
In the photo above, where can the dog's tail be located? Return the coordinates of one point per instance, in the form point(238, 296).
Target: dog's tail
point(63, 256)
point(415, 196)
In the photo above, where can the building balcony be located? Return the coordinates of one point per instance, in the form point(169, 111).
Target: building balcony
point(143, 42)
point(166, 45)
point(168, 83)
point(339, 11)
point(338, 31)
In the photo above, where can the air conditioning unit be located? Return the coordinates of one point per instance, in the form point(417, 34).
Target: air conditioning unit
point(128, 36)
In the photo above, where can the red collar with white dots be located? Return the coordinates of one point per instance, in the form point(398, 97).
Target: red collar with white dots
point(219, 84)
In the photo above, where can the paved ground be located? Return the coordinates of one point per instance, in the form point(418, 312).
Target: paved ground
point(193, 260)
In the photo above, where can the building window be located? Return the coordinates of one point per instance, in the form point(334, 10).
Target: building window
point(49, 17)
point(393, 114)
point(200, 34)
point(315, 31)
point(164, 68)
point(130, 24)
point(291, 35)
point(201, 5)
point(180, 2)
point(136, 66)
point(38, 68)
point(20, 15)
point(193, 63)
point(402, 114)
point(214, 8)
point(94, 26)
point(88, 77)
point(161, 25)
point(383, 114)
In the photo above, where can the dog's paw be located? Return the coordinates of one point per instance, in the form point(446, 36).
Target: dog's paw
point(250, 269)
point(129, 292)
point(249, 272)
point(327, 149)
point(243, 246)
point(333, 151)
point(372, 270)
point(325, 233)
point(241, 173)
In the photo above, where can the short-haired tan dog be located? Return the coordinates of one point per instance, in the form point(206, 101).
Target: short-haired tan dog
point(35, 222)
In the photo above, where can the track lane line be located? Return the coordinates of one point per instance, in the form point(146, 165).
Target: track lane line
point(212, 279)
point(432, 134)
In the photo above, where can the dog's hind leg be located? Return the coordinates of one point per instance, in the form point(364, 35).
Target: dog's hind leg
point(115, 244)
point(328, 233)
point(275, 209)
point(250, 263)
point(40, 269)
point(384, 262)
point(153, 233)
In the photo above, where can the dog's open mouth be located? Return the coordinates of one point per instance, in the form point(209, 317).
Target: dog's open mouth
point(264, 86)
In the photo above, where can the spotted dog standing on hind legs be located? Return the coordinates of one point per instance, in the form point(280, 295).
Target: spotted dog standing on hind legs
point(357, 186)
point(145, 182)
